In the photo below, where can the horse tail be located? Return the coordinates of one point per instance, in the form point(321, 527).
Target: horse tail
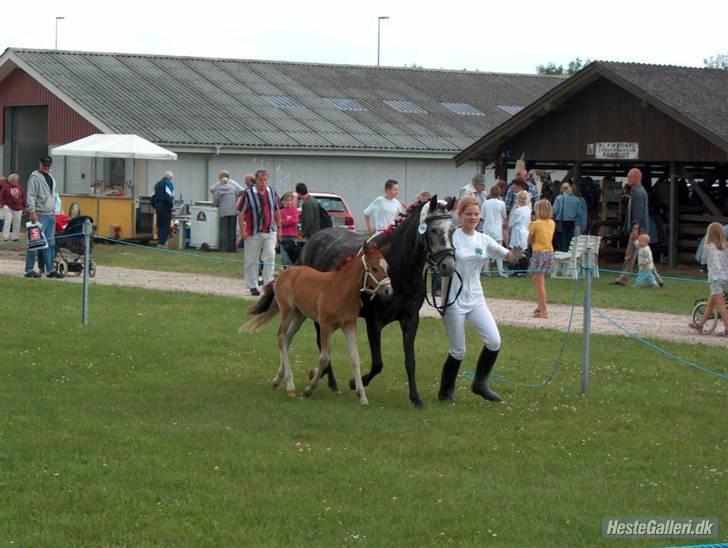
point(262, 312)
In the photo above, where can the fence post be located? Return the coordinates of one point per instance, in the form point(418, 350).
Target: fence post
point(587, 264)
point(87, 231)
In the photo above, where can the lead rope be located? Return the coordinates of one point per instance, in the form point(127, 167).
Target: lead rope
point(445, 303)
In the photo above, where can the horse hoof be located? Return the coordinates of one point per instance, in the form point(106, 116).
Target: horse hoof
point(276, 382)
point(364, 401)
point(307, 391)
point(292, 392)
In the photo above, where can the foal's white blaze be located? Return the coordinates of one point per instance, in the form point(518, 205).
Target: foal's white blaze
point(383, 265)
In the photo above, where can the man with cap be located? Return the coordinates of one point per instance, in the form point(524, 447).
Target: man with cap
point(476, 189)
point(41, 199)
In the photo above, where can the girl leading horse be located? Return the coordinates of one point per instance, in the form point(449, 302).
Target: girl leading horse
point(422, 237)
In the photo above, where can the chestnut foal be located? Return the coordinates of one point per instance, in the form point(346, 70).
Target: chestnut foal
point(332, 299)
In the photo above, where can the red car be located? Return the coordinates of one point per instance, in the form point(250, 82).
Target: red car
point(335, 205)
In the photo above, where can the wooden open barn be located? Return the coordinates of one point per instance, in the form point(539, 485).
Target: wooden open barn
point(671, 122)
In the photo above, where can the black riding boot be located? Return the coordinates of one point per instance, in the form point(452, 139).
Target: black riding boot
point(486, 361)
point(447, 382)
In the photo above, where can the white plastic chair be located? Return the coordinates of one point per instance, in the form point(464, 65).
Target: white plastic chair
point(566, 263)
point(592, 242)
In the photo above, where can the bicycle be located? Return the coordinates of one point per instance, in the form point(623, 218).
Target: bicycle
point(698, 311)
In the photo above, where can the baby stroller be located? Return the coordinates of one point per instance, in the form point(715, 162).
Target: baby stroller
point(70, 240)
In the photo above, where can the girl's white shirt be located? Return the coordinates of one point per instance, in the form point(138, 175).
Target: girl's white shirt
point(472, 252)
point(717, 261)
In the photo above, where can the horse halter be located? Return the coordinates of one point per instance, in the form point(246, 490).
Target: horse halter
point(434, 258)
point(378, 284)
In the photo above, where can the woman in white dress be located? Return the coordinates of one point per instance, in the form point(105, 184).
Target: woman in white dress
point(472, 250)
point(518, 222)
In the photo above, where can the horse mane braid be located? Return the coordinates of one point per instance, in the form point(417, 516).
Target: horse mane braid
point(414, 207)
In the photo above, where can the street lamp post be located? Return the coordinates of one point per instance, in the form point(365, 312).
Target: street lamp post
point(58, 19)
point(379, 33)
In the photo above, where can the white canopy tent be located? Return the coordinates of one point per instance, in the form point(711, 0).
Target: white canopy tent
point(126, 147)
point(103, 145)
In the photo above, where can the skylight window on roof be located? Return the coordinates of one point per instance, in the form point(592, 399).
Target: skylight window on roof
point(404, 106)
point(463, 109)
point(282, 101)
point(511, 109)
point(344, 103)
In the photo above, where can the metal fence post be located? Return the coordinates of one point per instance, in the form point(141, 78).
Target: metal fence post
point(588, 259)
point(87, 231)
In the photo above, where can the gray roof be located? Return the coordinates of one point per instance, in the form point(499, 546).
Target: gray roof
point(695, 97)
point(697, 94)
point(197, 101)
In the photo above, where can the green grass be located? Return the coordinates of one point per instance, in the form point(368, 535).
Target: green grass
point(149, 257)
point(677, 297)
point(156, 425)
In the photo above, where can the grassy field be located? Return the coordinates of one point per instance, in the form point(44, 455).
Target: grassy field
point(149, 257)
point(676, 297)
point(156, 425)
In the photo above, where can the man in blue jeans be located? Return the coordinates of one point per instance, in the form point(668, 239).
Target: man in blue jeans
point(41, 201)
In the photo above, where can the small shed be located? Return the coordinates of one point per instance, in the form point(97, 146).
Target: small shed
point(670, 122)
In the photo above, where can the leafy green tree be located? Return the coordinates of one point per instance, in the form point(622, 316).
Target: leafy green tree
point(558, 70)
point(550, 69)
point(576, 65)
point(719, 61)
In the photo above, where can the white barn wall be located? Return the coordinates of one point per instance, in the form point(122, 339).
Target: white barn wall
point(358, 179)
point(190, 172)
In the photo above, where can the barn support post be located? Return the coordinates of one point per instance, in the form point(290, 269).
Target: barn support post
point(672, 250)
point(501, 167)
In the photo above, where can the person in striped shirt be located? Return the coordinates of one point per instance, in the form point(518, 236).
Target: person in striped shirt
point(259, 218)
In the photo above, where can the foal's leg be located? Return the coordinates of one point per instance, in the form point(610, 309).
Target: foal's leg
point(350, 332)
point(324, 359)
point(284, 342)
point(328, 370)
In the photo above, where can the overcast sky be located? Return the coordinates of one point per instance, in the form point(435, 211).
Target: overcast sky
point(474, 35)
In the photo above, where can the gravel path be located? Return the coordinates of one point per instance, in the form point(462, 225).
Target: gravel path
point(507, 312)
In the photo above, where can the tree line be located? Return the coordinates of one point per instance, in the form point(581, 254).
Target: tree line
point(719, 61)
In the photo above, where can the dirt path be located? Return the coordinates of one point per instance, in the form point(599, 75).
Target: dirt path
point(507, 312)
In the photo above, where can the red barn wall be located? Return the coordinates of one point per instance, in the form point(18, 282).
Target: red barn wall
point(64, 124)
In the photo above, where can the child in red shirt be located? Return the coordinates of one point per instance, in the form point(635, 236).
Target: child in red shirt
point(289, 224)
